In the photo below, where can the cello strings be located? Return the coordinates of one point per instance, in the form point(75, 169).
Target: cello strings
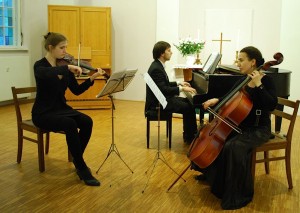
point(233, 126)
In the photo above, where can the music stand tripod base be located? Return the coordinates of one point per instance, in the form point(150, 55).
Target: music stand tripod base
point(158, 153)
point(116, 83)
point(113, 147)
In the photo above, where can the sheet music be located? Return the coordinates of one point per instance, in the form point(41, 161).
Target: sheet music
point(127, 78)
point(158, 94)
point(212, 59)
point(117, 82)
point(113, 83)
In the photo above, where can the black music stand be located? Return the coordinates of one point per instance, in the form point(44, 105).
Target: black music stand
point(161, 101)
point(116, 83)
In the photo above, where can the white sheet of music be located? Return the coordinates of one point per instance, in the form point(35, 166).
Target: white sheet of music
point(156, 91)
point(211, 60)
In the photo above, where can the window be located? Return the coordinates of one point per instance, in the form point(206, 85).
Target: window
point(9, 23)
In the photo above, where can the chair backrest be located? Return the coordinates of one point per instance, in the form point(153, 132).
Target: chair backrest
point(21, 96)
point(290, 113)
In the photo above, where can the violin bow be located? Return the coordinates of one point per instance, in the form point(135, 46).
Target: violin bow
point(78, 61)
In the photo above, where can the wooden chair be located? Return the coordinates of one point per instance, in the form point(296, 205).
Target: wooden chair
point(280, 141)
point(26, 95)
point(151, 115)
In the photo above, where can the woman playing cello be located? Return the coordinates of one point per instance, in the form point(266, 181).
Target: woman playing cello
point(229, 175)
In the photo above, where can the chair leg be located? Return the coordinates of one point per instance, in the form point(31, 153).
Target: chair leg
point(170, 132)
point(20, 145)
point(47, 142)
point(288, 169)
point(148, 130)
point(201, 117)
point(41, 152)
point(253, 164)
point(167, 128)
point(267, 163)
point(211, 116)
point(70, 158)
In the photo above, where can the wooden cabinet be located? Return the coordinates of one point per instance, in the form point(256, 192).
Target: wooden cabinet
point(89, 27)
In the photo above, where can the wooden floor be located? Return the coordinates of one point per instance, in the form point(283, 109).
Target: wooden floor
point(24, 189)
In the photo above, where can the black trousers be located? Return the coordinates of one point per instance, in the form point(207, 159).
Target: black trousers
point(183, 106)
point(78, 130)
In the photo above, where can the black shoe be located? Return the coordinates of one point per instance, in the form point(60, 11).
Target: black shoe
point(87, 177)
point(188, 140)
point(200, 177)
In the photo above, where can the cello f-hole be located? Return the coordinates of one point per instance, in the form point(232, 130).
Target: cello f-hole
point(211, 132)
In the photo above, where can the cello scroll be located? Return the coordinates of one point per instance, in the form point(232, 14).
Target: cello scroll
point(278, 59)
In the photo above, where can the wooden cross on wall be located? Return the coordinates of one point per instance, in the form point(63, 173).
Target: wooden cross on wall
point(221, 40)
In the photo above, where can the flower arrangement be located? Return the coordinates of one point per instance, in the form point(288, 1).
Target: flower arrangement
point(189, 46)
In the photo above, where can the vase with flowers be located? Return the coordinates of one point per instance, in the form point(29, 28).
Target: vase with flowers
point(189, 48)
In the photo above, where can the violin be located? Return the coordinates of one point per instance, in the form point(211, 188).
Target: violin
point(232, 110)
point(69, 59)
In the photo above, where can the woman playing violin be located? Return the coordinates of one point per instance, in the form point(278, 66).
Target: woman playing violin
point(50, 111)
point(230, 175)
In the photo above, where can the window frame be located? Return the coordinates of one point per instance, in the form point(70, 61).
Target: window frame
point(17, 35)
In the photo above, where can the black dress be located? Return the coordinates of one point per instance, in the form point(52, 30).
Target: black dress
point(230, 174)
point(51, 112)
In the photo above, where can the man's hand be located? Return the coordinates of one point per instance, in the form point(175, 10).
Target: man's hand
point(189, 89)
point(185, 84)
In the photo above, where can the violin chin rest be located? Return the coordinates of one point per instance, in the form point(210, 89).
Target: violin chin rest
point(85, 71)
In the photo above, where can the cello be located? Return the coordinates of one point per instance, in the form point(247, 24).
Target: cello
point(232, 110)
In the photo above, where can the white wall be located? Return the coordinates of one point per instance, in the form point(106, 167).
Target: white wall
point(138, 24)
point(35, 25)
point(265, 24)
point(167, 29)
point(290, 42)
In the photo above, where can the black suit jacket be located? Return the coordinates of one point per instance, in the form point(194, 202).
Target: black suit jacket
point(160, 77)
